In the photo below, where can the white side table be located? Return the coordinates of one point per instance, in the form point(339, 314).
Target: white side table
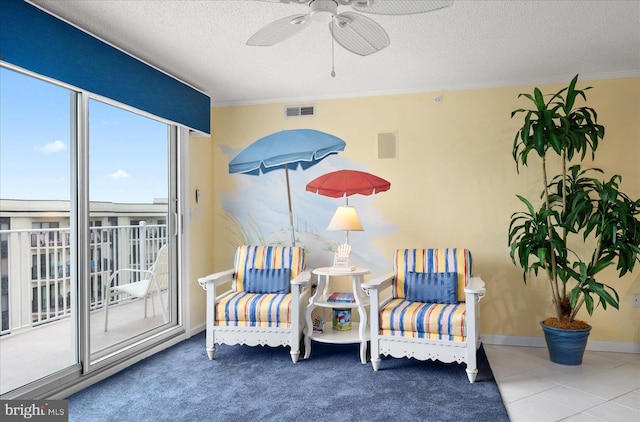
point(359, 332)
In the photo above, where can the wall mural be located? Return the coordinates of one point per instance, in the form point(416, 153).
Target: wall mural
point(257, 211)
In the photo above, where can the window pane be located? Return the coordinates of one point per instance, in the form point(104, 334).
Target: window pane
point(128, 192)
point(35, 172)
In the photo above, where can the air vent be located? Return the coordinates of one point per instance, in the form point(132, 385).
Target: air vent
point(300, 111)
point(387, 145)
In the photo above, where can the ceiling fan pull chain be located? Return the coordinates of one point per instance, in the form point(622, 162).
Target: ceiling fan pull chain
point(333, 43)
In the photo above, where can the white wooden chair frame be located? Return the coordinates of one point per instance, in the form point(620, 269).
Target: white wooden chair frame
point(253, 336)
point(420, 348)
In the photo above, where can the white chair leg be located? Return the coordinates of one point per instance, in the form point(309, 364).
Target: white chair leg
point(471, 374)
point(307, 346)
point(295, 345)
point(153, 303)
point(210, 339)
point(374, 347)
point(210, 346)
point(105, 297)
point(211, 351)
point(374, 322)
point(165, 317)
point(472, 365)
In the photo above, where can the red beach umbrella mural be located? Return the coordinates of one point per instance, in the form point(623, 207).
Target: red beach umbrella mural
point(346, 183)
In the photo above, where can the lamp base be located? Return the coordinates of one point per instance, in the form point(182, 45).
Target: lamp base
point(341, 260)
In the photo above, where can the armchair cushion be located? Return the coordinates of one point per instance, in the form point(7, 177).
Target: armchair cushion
point(268, 280)
point(433, 321)
point(244, 309)
point(431, 287)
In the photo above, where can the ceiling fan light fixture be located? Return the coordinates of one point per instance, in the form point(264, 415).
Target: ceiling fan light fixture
point(323, 10)
point(353, 31)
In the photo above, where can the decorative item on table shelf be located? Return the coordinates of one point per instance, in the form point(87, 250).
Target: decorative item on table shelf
point(344, 297)
point(318, 324)
point(341, 319)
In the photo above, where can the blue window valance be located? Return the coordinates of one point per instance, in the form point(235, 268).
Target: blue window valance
point(36, 41)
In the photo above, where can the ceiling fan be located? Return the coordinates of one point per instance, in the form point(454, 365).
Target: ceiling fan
point(353, 31)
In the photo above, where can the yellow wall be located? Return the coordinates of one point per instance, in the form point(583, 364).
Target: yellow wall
point(453, 184)
point(200, 224)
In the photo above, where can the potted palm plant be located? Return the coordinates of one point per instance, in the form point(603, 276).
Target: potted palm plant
point(579, 225)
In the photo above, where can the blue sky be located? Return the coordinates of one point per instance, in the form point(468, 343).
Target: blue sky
point(128, 152)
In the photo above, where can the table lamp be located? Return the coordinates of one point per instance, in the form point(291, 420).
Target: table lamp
point(345, 218)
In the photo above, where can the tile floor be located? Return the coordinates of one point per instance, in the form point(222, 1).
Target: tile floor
point(606, 387)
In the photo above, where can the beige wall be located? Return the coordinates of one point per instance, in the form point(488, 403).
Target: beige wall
point(201, 232)
point(453, 184)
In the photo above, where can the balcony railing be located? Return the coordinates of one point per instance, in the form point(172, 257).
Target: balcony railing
point(36, 268)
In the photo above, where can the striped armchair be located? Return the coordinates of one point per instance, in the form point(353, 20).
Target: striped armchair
point(267, 292)
point(432, 311)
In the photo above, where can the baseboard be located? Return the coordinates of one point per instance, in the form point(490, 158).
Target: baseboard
point(197, 329)
point(613, 346)
point(597, 346)
point(499, 340)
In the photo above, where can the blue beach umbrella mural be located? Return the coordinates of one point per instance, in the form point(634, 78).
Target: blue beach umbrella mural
point(288, 149)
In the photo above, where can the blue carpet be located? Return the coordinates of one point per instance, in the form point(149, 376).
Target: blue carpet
point(262, 384)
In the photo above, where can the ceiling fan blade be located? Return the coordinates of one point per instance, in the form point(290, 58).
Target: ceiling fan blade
point(279, 30)
point(399, 7)
point(359, 34)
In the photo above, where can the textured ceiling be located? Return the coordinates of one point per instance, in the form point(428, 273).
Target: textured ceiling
point(472, 44)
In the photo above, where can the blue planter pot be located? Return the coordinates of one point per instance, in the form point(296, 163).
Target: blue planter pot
point(566, 347)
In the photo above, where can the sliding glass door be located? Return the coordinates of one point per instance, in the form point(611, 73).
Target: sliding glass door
point(38, 336)
point(88, 233)
point(129, 284)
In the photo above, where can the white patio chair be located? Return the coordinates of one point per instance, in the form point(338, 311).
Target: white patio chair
point(151, 282)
